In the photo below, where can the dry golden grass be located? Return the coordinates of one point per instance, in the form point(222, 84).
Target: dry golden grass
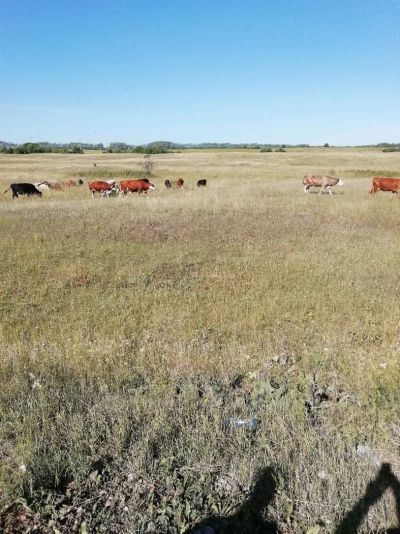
point(202, 285)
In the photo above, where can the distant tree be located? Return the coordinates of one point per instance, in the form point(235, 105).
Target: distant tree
point(326, 145)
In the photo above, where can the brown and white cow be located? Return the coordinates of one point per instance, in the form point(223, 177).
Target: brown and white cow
point(324, 182)
point(135, 186)
point(49, 184)
point(383, 183)
point(105, 187)
point(179, 183)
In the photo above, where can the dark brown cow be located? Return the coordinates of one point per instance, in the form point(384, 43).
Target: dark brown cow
point(168, 184)
point(106, 188)
point(382, 183)
point(135, 186)
point(324, 182)
point(202, 183)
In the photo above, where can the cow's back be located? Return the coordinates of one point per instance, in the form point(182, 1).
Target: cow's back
point(134, 185)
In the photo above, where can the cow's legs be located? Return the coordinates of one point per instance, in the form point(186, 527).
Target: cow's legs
point(306, 188)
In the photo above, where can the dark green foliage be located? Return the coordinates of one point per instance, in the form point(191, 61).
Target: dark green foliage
point(41, 148)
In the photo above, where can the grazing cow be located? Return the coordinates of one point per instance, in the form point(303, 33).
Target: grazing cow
point(382, 183)
point(42, 186)
point(69, 183)
point(202, 183)
point(135, 186)
point(324, 182)
point(49, 184)
point(106, 188)
point(23, 189)
point(179, 183)
point(168, 184)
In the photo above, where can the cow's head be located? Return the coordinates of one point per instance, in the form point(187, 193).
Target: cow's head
point(151, 186)
point(340, 182)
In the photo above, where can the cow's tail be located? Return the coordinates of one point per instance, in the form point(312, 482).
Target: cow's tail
point(7, 190)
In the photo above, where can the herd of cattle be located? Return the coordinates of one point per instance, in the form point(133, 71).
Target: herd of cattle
point(143, 185)
point(105, 187)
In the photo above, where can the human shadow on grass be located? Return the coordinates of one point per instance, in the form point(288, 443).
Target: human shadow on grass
point(384, 480)
point(248, 519)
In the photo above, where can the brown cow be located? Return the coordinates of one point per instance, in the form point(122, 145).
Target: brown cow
point(167, 184)
point(72, 183)
point(69, 183)
point(135, 186)
point(106, 188)
point(324, 182)
point(382, 183)
point(179, 183)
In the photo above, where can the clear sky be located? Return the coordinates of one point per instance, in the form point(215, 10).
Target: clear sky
point(298, 71)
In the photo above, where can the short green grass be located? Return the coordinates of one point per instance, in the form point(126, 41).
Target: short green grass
point(131, 328)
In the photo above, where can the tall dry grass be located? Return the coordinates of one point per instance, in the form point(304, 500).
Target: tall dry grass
point(132, 328)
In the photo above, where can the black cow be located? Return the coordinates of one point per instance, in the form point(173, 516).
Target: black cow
point(168, 184)
point(202, 183)
point(23, 189)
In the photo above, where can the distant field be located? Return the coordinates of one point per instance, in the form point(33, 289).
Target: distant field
point(132, 329)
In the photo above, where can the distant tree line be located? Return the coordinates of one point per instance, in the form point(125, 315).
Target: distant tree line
point(390, 147)
point(157, 147)
point(163, 147)
point(46, 148)
point(152, 148)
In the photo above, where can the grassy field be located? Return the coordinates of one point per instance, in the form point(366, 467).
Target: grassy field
point(132, 330)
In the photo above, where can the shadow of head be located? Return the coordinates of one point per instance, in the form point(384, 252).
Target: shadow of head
point(249, 518)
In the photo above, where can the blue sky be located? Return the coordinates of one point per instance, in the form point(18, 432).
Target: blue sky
point(296, 71)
